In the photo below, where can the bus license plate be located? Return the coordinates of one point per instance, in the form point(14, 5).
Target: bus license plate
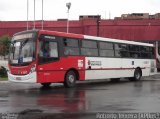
point(18, 78)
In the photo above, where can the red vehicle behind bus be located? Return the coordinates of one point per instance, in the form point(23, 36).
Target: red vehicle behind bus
point(39, 56)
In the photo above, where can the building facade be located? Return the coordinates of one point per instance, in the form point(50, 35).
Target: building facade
point(129, 29)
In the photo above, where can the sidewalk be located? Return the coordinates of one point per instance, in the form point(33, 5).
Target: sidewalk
point(3, 82)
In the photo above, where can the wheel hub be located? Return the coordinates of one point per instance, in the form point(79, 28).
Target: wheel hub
point(137, 75)
point(71, 78)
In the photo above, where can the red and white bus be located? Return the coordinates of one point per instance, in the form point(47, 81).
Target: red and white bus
point(157, 50)
point(40, 56)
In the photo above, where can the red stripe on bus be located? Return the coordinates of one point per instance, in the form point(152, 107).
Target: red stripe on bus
point(94, 69)
point(114, 68)
point(63, 34)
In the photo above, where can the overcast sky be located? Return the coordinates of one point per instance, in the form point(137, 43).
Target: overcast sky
point(11, 10)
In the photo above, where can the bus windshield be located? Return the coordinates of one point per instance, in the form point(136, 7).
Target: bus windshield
point(22, 51)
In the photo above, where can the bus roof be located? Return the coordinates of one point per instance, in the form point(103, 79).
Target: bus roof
point(117, 40)
point(80, 36)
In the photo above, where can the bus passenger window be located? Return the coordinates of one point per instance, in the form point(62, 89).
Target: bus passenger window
point(71, 47)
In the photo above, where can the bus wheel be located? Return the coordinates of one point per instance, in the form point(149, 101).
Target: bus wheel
point(46, 84)
point(137, 75)
point(115, 79)
point(70, 79)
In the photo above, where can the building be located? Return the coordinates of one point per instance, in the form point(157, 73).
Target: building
point(135, 16)
point(157, 16)
point(82, 17)
point(129, 29)
point(138, 16)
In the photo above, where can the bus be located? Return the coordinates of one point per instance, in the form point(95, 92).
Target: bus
point(45, 57)
point(156, 44)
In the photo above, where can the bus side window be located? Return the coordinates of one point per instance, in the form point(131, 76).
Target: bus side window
point(71, 46)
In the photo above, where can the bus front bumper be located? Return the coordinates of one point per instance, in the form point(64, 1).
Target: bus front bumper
point(29, 78)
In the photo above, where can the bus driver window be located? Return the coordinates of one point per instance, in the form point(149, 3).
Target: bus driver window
point(48, 51)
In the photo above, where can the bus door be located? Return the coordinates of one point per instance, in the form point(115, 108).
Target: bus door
point(48, 54)
point(158, 55)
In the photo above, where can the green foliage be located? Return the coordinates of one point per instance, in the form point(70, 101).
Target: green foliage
point(3, 78)
point(4, 45)
point(3, 72)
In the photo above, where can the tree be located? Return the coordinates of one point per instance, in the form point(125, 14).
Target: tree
point(4, 45)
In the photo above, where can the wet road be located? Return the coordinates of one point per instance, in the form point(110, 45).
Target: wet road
point(83, 101)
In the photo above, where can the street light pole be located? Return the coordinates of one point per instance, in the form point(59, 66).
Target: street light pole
point(27, 13)
point(34, 14)
point(68, 5)
point(67, 21)
point(42, 14)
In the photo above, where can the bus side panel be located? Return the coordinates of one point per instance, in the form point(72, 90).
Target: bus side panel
point(51, 76)
point(55, 71)
point(103, 68)
point(144, 64)
point(81, 74)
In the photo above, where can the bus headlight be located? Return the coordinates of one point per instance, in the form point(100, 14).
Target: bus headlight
point(8, 70)
point(33, 68)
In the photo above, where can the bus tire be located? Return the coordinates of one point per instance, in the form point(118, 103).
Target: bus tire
point(137, 75)
point(70, 79)
point(46, 84)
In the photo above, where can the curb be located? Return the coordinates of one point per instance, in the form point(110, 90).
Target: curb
point(4, 82)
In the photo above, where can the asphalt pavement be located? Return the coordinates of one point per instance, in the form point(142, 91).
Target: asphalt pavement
point(87, 100)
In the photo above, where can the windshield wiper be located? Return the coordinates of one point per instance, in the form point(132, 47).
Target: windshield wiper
point(24, 42)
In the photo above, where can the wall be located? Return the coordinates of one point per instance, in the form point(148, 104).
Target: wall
point(121, 29)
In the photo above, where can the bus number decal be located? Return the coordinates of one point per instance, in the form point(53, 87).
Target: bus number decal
point(80, 63)
point(94, 63)
point(146, 62)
